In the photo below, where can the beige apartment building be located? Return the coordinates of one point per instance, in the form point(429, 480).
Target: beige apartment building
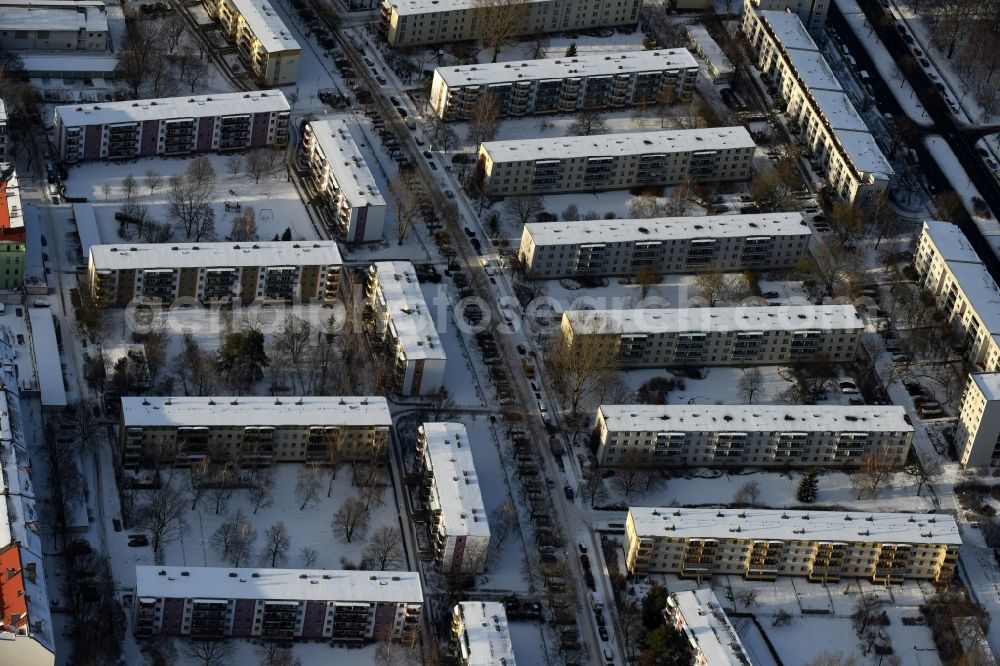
point(657, 338)
point(417, 22)
point(812, 13)
point(977, 437)
point(480, 635)
point(751, 435)
point(565, 85)
point(296, 271)
point(615, 161)
point(265, 45)
point(763, 544)
point(666, 244)
point(952, 273)
point(256, 430)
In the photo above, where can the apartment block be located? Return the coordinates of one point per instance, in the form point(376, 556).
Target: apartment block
point(417, 22)
point(657, 338)
point(53, 25)
point(700, 616)
point(480, 635)
point(963, 289)
point(13, 239)
point(565, 85)
point(763, 544)
point(264, 43)
point(812, 13)
point(253, 271)
point(834, 132)
point(700, 41)
point(666, 244)
point(171, 126)
point(256, 430)
point(276, 604)
point(401, 330)
point(336, 171)
point(450, 491)
point(751, 435)
point(977, 436)
point(615, 161)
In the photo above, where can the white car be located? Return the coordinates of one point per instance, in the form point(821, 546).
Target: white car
point(849, 388)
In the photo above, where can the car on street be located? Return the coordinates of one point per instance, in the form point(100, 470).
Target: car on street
point(402, 111)
point(428, 154)
point(521, 350)
point(138, 540)
point(771, 294)
point(603, 633)
point(568, 492)
point(583, 549)
point(395, 101)
point(381, 81)
point(449, 194)
point(585, 561)
point(848, 388)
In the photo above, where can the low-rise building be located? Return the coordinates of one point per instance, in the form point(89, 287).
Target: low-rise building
point(666, 245)
point(833, 130)
point(716, 336)
point(480, 635)
point(712, 638)
point(337, 172)
point(264, 43)
point(451, 493)
point(416, 22)
point(719, 67)
point(296, 271)
point(256, 430)
point(13, 239)
point(812, 13)
point(751, 435)
point(401, 330)
point(565, 85)
point(763, 544)
point(53, 25)
point(977, 437)
point(276, 604)
point(171, 126)
point(615, 161)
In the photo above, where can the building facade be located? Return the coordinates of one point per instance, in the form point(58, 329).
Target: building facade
point(700, 41)
point(417, 22)
point(812, 13)
point(276, 604)
point(285, 271)
point(53, 25)
point(400, 329)
point(666, 245)
point(450, 489)
point(353, 207)
point(751, 435)
point(963, 289)
point(13, 239)
point(480, 635)
point(264, 43)
point(252, 429)
point(977, 436)
point(654, 338)
point(614, 161)
point(817, 104)
point(701, 618)
point(763, 544)
point(171, 126)
point(3, 132)
point(566, 85)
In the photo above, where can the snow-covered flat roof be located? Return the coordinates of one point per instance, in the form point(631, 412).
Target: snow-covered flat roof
point(980, 290)
point(191, 106)
point(48, 63)
point(755, 418)
point(406, 7)
point(278, 584)
point(681, 320)
point(706, 624)
point(237, 411)
point(125, 256)
point(598, 64)
point(787, 27)
point(625, 143)
point(449, 456)
point(86, 226)
point(54, 18)
point(865, 153)
point(710, 49)
point(486, 640)
point(346, 162)
point(988, 383)
point(838, 110)
point(666, 228)
point(813, 69)
point(847, 526)
point(410, 314)
point(950, 242)
point(49, 368)
point(267, 26)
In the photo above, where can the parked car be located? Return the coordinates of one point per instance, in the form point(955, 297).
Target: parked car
point(603, 633)
point(568, 492)
point(848, 388)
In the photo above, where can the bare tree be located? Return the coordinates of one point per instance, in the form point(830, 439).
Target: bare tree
point(220, 488)
point(748, 494)
point(875, 468)
point(588, 122)
point(234, 164)
point(384, 550)
point(524, 208)
point(578, 369)
point(244, 537)
point(647, 277)
point(714, 286)
point(163, 513)
point(495, 22)
point(351, 520)
point(210, 651)
point(276, 544)
point(129, 186)
point(195, 369)
point(750, 383)
point(406, 193)
point(261, 488)
point(503, 523)
point(827, 658)
point(190, 195)
point(224, 536)
point(244, 226)
point(308, 556)
point(307, 485)
point(257, 164)
point(747, 596)
point(484, 119)
point(276, 654)
point(924, 473)
point(172, 28)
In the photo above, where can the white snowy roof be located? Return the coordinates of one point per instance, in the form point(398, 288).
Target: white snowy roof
point(813, 69)
point(49, 367)
point(200, 106)
point(950, 242)
point(410, 315)
point(787, 27)
point(266, 26)
point(755, 418)
point(980, 290)
point(406, 7)
point(864, 152)
point(55, 18)
point(599, 64)
point(666, 228)
point(626, 143)
point(988, 383)
point(448, 455)
point(845, 526)
point(706, 624)
point(238, 411)
point(709, 48)
point(346, 162)
point(680, 320)
point(86, 226)
point(278, 584)
point(38, 64)
point(3, 110)
point(486, 639)
point(214, 255)
point(838, 110)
